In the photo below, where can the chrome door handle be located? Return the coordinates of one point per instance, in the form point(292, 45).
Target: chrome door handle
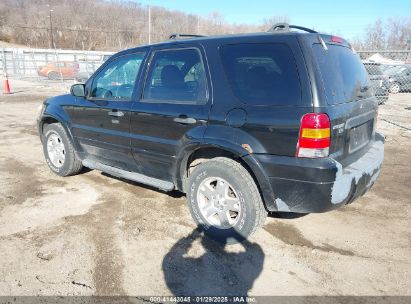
point(116, 113)
point(185, 120)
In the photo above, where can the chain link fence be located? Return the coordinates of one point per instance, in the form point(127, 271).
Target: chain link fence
point(49, 64)
point(389, 71)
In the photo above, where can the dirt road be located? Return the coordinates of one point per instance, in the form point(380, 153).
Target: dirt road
point(92, 234)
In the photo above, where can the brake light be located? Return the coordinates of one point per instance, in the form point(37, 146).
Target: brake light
point(336, 39)
point(314, 139)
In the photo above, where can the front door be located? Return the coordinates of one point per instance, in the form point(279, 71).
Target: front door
point(101, 121)
point(172, 110)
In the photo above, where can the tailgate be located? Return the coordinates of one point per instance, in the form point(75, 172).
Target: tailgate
point(352, 128)
point(360, 131)
point(346, 96)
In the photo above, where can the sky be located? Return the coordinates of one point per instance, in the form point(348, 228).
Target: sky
point(348, 18)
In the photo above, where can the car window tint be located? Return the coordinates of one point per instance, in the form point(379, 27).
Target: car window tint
point(345, 77)
point(262, 74)
point(176, 76)
point(116, 80)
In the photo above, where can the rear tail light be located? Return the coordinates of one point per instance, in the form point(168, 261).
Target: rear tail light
point(314, 139)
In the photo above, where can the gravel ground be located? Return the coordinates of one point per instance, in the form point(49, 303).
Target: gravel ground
point(92, 234)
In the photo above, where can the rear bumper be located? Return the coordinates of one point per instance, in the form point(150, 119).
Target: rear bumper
point(319, 185)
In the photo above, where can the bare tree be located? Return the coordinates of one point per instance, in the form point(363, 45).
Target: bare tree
point(104, 24)
point(269, 22)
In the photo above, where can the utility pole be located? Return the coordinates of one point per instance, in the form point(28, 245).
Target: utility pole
point(51, 27)
point(149, 24)
point(51, 30)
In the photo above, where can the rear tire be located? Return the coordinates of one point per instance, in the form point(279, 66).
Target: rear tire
point(59, 152)
point(224, 200)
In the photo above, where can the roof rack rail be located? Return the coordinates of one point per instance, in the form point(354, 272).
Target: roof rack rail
point(178, 36)
point(287, 27)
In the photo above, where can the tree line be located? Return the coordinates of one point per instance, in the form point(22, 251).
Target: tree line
point(104, 25)
point(386, 35)
point(117, 24)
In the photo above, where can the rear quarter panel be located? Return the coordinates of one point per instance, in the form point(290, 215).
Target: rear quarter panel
point(267, 129)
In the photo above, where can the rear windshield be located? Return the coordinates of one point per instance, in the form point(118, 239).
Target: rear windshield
point(344, 76)
point(262, 73)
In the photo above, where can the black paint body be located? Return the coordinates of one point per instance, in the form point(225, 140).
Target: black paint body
point(147, 140)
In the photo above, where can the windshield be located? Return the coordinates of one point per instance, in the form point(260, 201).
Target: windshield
point(396, 70)
point(344, 76)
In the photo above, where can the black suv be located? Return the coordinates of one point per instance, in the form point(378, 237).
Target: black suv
point(246, 124)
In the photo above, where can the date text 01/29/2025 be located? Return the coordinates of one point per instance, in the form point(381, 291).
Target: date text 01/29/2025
point(202, 299)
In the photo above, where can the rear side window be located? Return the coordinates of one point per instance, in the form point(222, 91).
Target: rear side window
point(176, 76)
point(344, 76)
point(262, 74)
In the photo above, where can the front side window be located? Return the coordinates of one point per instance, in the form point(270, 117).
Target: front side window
point(262, 73)
point(116, 80)
point(176, 76)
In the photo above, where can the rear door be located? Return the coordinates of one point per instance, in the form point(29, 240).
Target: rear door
point(345, 94)
point(172, 109)
point(101, 121)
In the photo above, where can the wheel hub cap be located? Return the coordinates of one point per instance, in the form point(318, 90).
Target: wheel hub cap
point(218, 203)
point(55, 150)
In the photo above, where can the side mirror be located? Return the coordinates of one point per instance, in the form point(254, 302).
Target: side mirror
point(78, 90)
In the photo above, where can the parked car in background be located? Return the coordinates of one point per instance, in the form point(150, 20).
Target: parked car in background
point(400, 79)
point(59, 70)
point(386, 68)
point(379, 81)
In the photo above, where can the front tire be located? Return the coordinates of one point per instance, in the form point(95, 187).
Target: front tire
point(59, 152)
point(224, 200)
